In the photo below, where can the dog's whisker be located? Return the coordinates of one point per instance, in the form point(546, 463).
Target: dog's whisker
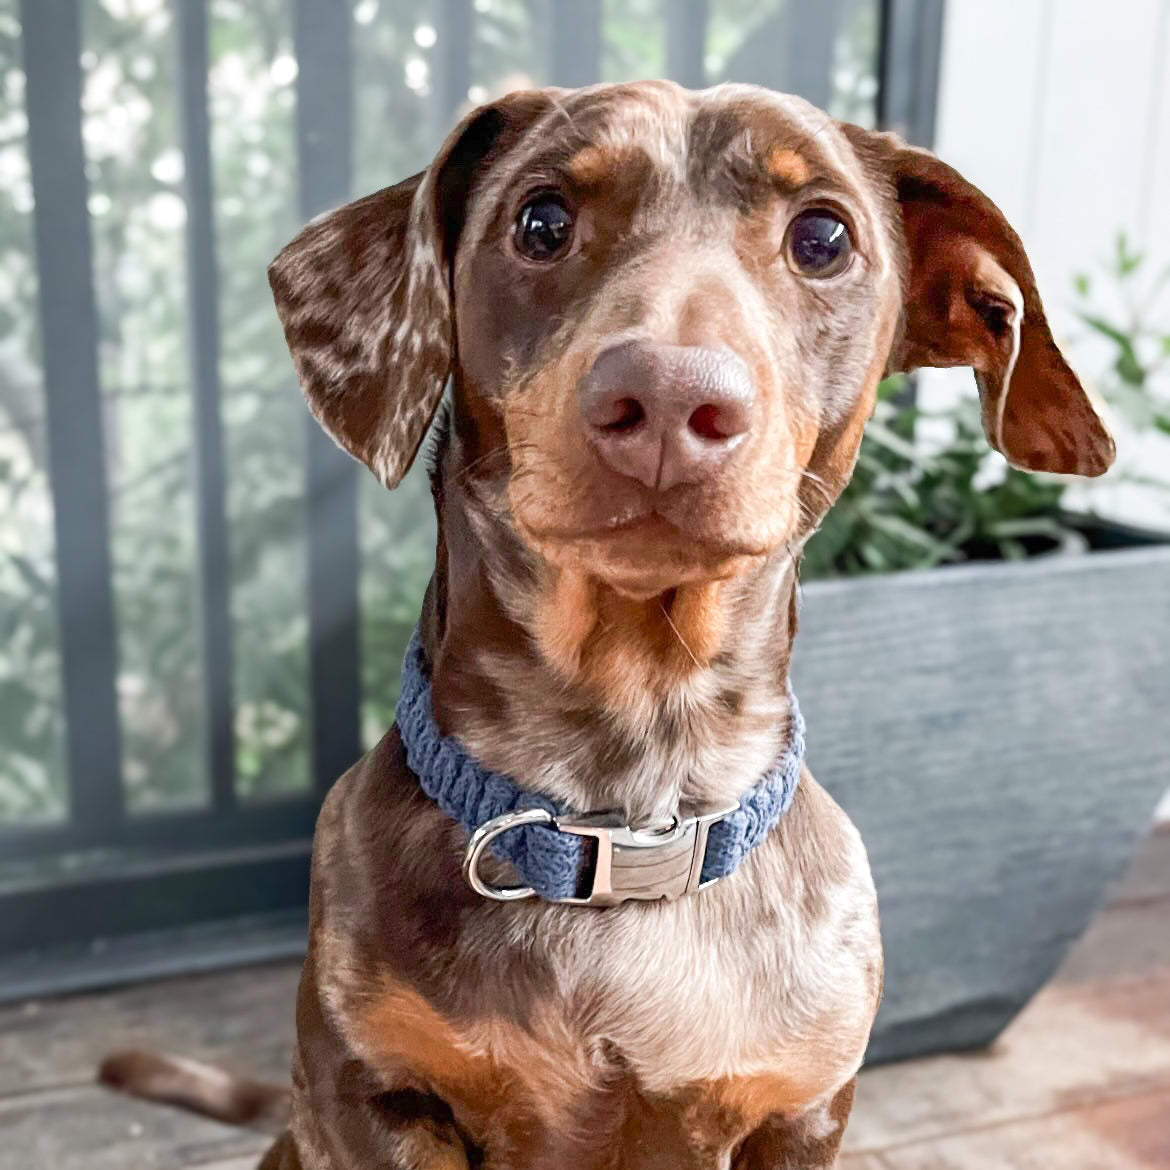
point(818, 485)
point(681, 640)
point(465, 471)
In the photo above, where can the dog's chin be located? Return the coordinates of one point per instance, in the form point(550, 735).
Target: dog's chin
point(648, 557)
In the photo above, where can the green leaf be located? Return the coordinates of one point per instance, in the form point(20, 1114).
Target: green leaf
point(1129, 368)
point(895, 444)
point(901, 529)
point(1104, 327)
point(1127, 262)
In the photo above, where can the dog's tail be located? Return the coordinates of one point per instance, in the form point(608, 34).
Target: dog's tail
point(201, 1088)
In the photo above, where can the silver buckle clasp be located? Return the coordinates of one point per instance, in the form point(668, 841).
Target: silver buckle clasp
point(642, 864)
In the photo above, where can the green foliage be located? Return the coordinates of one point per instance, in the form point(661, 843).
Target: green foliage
point(908, 507)
point(1136, 326)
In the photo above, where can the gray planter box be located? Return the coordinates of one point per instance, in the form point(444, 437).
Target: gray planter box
point(1000, 734)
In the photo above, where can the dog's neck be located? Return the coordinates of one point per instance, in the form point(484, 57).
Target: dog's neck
point(656, 707)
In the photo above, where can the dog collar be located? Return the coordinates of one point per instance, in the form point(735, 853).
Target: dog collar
point(590, 859)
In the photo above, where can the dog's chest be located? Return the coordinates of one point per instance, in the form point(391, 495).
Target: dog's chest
point(725, 985)
point(578, 1032)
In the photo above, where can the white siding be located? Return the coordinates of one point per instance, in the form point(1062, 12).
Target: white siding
point(1060, 111)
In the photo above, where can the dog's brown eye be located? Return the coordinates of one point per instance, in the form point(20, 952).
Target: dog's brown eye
point(544, 229)
point(819, 243)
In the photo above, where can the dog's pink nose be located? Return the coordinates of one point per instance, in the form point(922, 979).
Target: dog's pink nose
point(666, 414)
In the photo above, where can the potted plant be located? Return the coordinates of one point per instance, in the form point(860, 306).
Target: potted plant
point(997, 729)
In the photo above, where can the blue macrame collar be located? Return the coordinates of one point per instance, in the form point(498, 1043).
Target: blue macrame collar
point(584, 859)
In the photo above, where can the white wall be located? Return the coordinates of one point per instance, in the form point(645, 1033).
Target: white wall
point(1060, 111)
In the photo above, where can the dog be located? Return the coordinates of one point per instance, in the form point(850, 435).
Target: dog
point(663, 316)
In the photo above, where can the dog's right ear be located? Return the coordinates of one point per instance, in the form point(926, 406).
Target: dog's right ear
point(970, 299)
point(364, 295)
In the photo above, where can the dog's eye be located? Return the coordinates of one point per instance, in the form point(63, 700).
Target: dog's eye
point(819, 243)
point(544, 229)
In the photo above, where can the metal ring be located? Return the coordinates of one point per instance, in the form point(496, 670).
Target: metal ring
point(483, 837)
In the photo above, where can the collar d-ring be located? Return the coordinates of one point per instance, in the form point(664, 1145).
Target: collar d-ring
point(483, 837)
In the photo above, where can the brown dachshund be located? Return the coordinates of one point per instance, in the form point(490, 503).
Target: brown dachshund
point(664, 316)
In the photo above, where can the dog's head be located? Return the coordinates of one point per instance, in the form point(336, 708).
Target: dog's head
point(665, 315)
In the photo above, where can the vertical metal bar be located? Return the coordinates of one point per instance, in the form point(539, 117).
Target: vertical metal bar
point(203, 358)
point(908, 68)
point(686, 42)
point(452, 62)
point(321, 31)
point(51, 38)
point(812, 28)
point(575, 42)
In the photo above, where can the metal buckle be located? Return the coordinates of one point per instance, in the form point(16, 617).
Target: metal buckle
point(642, 864)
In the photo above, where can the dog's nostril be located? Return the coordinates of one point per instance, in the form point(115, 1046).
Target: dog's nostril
point(704, 422)
point(714, 423)
point(625, 415)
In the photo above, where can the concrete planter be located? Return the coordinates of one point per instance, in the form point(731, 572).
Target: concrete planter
point(1000, 734)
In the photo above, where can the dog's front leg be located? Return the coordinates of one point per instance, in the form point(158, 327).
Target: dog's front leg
point(809, 1141)
point(283, 1155)
point(422, 1133)
point(393, 1131)
point(344, 1117)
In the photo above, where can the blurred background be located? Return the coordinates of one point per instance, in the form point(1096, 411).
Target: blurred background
point(203, 605)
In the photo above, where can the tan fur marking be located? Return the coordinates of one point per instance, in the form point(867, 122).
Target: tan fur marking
point(789, 167)
point(624, 648)
point(699, 618)
point(491, 1065)
point(408, 1032)
point(634, 652)
point(810, 1140)
point(835, 450)
point(758, 1097)
point(564, 618)
point(595, 164)
point(638, 651)
point(805, 435)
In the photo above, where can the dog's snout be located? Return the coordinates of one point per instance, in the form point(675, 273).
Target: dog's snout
point(666, 414)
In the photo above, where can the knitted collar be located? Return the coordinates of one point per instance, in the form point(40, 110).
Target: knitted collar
point(585, 859)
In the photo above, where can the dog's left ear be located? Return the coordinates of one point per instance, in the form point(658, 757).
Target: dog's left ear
point(971, 300)
point(364, 295)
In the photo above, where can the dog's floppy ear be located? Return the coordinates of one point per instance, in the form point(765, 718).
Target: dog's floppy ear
point(971, 300)
point(364, 295)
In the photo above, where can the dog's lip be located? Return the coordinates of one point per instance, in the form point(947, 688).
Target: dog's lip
point(649, 519)
point(654, 530)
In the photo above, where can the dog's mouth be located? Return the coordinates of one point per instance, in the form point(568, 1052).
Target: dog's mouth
point(642, 540)
point(642, 553)
point(652, 534)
